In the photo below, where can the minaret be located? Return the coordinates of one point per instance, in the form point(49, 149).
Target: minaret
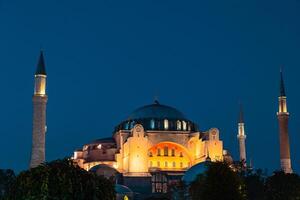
point(242, 137)
point(283, 118)
point(39, 100)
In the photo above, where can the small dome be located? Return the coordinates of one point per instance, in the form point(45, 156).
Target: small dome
point(156, 111)
point(122, 189)
point(191, 174)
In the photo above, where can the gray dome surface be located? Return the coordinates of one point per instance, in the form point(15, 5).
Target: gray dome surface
point(192, 173)
point(156, 111)
point(122, 189)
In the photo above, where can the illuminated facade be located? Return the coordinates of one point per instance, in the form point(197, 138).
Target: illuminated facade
point(155, 146)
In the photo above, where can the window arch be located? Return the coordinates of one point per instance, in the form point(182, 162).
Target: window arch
point(174, 164)
point(184, 125)
point(152, 124)
point(166, 124)
point(166, 153)
point(178, 125)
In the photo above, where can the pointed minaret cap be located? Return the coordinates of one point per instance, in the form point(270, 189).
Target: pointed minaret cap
point(241, 114)
point(41, 69)
point(282, 88)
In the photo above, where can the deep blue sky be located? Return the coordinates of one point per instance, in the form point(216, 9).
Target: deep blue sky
point(106, 58)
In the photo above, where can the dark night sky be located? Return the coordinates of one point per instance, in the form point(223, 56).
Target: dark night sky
point(106, 58)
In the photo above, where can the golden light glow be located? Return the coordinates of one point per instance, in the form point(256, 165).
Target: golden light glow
point(175, 157)
point(40, 85)
point(282, 105)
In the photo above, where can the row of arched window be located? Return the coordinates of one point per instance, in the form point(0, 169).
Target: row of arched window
point(159, 124)
point(165, 152)
point(180, 125)
point(168, 164)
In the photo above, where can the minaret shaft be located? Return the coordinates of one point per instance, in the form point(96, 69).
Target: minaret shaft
point(39, 100)
point(242, 142)
point(242, 137)
point(285, 158)
point(283, 121)
point(39, 130)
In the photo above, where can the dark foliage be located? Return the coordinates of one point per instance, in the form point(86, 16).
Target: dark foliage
point(282, 186)
point(219, 182)
point(254, 183)
point(7, 178)
point(60, 180)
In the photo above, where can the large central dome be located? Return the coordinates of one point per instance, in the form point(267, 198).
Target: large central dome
point(156, 111)
point(158, 117)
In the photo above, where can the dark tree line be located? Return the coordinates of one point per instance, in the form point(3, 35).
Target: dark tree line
point(7, 178)
point(62, 180)
point(220, 182)
point(58, 180)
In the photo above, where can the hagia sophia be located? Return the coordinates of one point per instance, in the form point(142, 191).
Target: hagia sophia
point(154, 147)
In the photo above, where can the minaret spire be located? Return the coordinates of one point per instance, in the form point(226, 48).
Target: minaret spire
point(39, 100)
point(283, 119)
point(41, 68)
point(242, 137)
point(241, 115)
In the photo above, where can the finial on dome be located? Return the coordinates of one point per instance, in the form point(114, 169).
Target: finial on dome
point(156, 100)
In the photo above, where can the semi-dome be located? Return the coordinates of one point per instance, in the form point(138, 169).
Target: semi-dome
point(158, 117)
point(157, 111)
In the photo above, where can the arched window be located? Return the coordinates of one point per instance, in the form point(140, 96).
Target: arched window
point(158, 164)
point(181, 165)
point(166, 124)
point(184, 125)
point(189, 127)
point(166, 164)
point(152, 124)
point(173, 152)
point(178, 125)
point(158, 152)
point(166, 151)
point(174, 164)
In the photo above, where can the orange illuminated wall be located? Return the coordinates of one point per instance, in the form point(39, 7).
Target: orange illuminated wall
point(169, 156)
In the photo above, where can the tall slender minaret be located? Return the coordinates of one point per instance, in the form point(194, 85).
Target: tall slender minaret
point(39, 100)
point(242, 136)
point(283, 118)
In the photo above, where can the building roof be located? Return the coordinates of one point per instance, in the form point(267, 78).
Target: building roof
point(103, 140)
point(41, 68)
point(156, 111)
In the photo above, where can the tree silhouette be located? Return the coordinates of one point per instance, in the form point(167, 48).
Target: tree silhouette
point(60, 180)
point(7, 178)
point(218, 182)
point(282, 186)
